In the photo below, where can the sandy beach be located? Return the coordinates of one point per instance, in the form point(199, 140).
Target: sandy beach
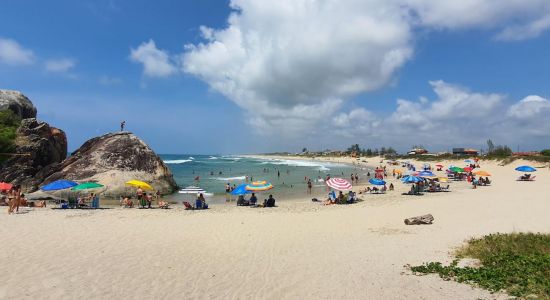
point(299, 250)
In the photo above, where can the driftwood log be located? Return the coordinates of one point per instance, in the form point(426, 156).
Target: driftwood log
point(425, 219)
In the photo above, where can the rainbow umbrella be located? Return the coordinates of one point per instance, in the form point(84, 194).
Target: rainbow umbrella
point(258, 186)
point(339, 184)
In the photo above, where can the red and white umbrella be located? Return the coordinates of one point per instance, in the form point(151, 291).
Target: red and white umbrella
point(339, 184)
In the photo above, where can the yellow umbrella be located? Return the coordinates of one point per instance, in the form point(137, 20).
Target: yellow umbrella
point(482, 173)
point(140, 184)
point(443, 179)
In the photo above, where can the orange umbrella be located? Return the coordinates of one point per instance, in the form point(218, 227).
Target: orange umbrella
point(482, 173)
point(398, 171)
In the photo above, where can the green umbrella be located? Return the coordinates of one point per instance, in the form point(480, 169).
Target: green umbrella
point(86, 186)
point(456, 169)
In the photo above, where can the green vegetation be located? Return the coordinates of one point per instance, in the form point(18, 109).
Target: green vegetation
point(518, 263)
point(545, 152)
point(9, 122)
point(497, 151)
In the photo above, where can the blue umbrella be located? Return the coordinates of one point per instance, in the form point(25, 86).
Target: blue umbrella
point(469, 161)
point(59, 185)
point(411, 179)
point(426, 174)
point(241, 190)
point(377, 181)
point(526, 169)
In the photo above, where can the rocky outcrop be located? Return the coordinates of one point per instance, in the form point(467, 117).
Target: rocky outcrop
point(39, 147)
point(112, 160)
point(18, 103)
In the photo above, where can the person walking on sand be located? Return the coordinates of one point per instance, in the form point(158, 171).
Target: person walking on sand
point(122, 124)
point(309, 186)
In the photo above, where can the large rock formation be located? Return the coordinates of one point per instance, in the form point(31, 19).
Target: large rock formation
point(112, 160)
point(38, 146)
point(18, 103)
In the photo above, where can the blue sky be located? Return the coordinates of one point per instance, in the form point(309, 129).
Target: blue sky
point(282, 75)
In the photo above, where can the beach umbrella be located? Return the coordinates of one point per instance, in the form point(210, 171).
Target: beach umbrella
point(456, 169)
point(443, 179)
point(87, 186)
point(258, 186)
point(526, 169)
point(4, 186)
point(139, 184)
point(59, 185)
point(377, 181)
point(339, 184)
point(439, 165)
point(241, 190)
point(469, 161)
point(425, 174)
point(398, 171)
point(411, 179)
point(467, 169)
point(482, 173)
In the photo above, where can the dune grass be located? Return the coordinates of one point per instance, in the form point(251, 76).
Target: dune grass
point(517, 263)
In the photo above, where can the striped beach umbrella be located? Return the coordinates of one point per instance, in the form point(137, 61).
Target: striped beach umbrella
point(258, 186)
point(339, 184)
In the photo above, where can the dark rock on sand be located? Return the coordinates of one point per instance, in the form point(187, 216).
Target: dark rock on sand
point(18, 103)
point(39, 147)
point(113, 159)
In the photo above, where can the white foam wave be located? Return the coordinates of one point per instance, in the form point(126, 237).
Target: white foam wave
point(212, 157)
point(177, 161)
point(191, 157)
point(229, 178)
point(302, 163)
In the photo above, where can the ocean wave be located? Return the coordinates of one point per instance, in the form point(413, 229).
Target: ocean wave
point(229, 178)
point(177, 161)
point(191, 157)
point(301, 163)
point(212, 157)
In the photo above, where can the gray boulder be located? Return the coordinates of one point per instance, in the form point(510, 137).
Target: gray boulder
point(39, 147)
point(18, 103)
point(112, 160)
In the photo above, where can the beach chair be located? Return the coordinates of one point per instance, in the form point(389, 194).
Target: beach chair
point(188, 206)
point(445, 189)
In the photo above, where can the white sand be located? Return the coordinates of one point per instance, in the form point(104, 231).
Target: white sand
point(298, 250)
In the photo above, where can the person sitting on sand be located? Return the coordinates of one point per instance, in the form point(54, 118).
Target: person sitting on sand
point(149, 199)
point(341, 198)
point(391, 186)
point(269, 202)
point(126, 202)
point(200, 203)
point(41, 203)
point(253, 199)
point(241, 201)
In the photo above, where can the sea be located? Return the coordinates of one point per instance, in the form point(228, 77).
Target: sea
point(288, 177)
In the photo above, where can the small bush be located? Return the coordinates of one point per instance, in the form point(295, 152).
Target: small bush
point(518, 263)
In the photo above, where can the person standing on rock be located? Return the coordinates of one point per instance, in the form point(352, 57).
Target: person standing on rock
point(122, 124)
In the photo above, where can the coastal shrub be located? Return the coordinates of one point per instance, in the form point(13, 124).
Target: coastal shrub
point(9, 122)
point(517, 263)
point(545, 152)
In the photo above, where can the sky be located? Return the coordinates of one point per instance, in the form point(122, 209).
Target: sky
point(244, 76)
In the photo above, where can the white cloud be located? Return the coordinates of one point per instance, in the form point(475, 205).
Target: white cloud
point(285, 55)
point(12, 53)
point(529, 107)
point(526, 31)
point(60, 65)
point(156, 62)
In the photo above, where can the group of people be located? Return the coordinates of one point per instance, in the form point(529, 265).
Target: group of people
point(377, 190)
point(144, 199)
point(253, 201)
point(340, 199)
